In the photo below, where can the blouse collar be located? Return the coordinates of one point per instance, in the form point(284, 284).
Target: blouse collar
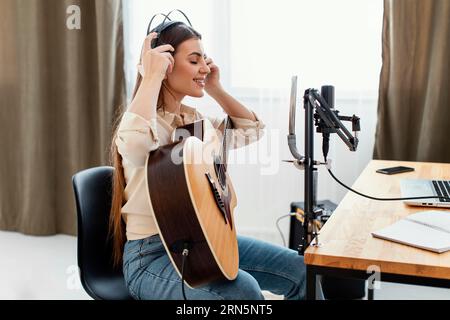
point(187, 115)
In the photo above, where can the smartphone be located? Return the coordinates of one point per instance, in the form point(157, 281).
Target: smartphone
point(394, 170)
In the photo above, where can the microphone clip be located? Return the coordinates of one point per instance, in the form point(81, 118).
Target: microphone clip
point(301, 163)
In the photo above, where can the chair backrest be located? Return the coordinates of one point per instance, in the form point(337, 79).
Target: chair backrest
point(93, 192)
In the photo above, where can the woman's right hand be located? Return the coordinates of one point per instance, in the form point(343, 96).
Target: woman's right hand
point(155, 62)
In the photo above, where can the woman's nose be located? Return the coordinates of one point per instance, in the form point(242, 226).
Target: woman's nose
point(205, 68)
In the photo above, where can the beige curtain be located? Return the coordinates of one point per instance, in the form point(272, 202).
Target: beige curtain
point(414, 101)
point(59, 89)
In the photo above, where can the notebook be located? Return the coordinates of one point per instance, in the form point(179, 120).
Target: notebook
point(429, 230)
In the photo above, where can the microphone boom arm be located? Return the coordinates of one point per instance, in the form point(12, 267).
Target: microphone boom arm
point(331, 121)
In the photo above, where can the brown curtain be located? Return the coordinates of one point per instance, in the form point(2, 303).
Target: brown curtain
point(59, 89)
point(414, 101)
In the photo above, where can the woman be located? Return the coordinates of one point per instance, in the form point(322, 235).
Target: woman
point(168, 73)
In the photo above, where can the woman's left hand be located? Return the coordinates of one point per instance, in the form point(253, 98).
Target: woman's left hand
point(212, 81)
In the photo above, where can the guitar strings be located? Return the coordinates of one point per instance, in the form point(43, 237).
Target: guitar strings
point(221, 174)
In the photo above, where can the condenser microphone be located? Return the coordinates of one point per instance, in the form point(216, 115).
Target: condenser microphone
point(327, 92)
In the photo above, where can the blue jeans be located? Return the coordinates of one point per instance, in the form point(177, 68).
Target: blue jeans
point(149, 274)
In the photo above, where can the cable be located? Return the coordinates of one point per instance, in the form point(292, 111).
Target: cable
point(183, 247)
point(278, 227)
point(382, 199)
point(299, 216)
point(185, 254)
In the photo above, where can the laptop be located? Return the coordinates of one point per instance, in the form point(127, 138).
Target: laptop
point(423, 188)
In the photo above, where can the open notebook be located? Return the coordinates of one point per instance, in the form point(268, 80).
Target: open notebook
point(429, 230)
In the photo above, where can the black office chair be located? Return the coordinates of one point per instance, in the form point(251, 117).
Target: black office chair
point(101, 281)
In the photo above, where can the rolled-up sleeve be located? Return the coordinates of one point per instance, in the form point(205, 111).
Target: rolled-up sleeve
point(136, 137)
point(244, 132)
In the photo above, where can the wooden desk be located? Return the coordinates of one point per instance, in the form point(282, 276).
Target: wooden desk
point(348, 248)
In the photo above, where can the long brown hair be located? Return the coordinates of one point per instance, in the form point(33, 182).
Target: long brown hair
point(174, 36)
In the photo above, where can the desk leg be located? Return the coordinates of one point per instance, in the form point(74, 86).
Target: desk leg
point(310, 283)
point(370, 293)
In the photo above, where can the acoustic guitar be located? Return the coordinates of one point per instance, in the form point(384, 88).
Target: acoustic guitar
point(193, 200)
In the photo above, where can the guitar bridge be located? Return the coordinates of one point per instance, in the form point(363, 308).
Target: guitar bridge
point(217, 197)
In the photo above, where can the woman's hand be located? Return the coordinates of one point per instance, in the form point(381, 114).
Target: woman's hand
point(155, 62)
point(212, 81)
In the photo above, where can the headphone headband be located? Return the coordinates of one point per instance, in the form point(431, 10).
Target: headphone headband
point(165, 24)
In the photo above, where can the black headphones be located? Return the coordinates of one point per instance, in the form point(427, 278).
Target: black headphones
point(167, 23)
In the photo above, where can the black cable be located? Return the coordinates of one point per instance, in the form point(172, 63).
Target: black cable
point(382, 199)
point(185, 254)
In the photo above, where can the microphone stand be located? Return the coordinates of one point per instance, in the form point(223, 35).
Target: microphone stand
point(317, 113)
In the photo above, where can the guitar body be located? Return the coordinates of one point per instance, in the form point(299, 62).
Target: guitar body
point(193, 203)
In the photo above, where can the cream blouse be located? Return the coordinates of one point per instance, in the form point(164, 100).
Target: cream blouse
point(138, 136)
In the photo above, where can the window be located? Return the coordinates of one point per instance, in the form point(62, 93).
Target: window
point(260, 44)
point(321, 41)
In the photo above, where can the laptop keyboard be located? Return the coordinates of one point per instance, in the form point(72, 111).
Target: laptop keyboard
point(442, 188)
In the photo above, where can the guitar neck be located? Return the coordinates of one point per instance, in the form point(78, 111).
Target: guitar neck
point(225, 143)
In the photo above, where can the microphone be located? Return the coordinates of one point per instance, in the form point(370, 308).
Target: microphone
point(327, 92)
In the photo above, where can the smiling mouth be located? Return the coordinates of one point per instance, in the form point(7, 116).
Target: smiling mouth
point(200, 83)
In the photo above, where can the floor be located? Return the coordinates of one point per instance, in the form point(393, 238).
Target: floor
point(46, 268)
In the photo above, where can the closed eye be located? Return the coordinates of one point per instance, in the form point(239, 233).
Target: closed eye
point(193, 62)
